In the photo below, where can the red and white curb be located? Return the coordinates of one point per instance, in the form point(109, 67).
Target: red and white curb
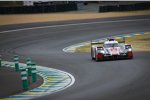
point(54, 80)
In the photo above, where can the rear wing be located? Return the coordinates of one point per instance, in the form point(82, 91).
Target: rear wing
point(101, 41)
point(97, 42)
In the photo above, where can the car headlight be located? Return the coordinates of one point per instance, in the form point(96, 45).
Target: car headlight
point(129, 49)
point(102, 51)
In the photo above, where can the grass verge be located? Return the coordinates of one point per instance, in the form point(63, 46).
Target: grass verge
point(138, 42)
point(65, 16)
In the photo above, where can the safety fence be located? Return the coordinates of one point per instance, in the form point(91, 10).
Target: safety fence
point(38, 9)
point(130, 7)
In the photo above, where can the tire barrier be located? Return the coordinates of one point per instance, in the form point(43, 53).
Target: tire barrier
point(38, 9)
point(130, 7)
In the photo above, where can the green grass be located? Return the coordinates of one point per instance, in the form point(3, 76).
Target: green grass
point(138, 42)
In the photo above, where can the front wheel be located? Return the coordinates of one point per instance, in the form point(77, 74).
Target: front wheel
point(99, 57)
point(93, 58)
point(130, 55)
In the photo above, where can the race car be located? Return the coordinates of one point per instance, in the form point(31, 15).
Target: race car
point(110, 49)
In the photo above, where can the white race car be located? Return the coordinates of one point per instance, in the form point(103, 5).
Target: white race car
point(110, 49)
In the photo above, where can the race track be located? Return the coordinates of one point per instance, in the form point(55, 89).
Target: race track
point(107, 80)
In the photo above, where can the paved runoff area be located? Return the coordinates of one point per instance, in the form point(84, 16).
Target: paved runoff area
point(54, 80)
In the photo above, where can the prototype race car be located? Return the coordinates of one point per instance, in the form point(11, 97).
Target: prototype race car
point(110, 49)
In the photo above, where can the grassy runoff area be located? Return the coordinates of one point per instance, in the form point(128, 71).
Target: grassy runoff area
point(138, 42)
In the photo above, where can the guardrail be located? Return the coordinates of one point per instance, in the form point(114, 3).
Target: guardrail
point(130, 7)
point(38, 9)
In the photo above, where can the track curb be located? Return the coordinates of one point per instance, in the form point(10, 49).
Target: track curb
point(54, 80)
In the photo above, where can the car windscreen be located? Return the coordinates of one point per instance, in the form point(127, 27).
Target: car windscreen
point(111, 45)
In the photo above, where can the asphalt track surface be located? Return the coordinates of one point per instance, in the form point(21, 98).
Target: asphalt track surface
point(107, 80)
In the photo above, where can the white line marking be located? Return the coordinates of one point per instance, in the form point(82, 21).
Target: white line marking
point(54, 26)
